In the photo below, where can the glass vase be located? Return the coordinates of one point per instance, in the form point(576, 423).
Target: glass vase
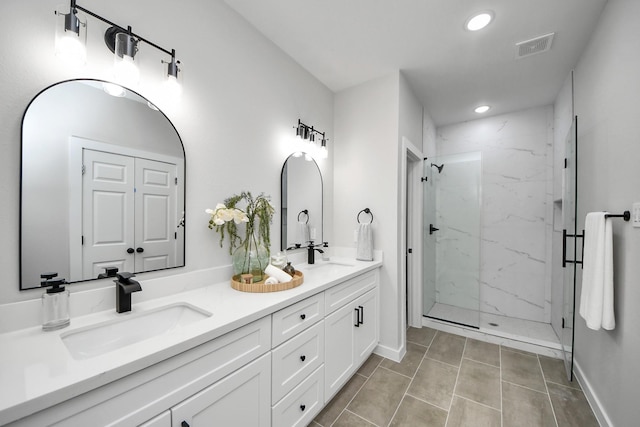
point(251, 257)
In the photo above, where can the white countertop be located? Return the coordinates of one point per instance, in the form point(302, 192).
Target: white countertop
point(37, 371)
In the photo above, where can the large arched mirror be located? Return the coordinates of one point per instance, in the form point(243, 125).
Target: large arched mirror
point(301, 184)
point(102, 184)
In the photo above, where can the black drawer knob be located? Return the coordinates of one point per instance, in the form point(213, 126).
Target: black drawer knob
point(184, 424)
point(303, 407)
point(303, 316)
point(303, 357)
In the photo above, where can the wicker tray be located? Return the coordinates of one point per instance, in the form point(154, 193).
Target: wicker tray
point(298, 279)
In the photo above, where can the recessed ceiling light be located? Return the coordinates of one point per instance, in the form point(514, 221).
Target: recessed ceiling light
point(482, 109)
point(479, 21)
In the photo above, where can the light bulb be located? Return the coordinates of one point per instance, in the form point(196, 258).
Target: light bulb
point(126, 71)
point(113, 89)
point(479, 21)
point(71, 36)
point(172, 87)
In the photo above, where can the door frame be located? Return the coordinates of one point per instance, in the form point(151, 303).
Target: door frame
point(76, 146)
point(410, 231)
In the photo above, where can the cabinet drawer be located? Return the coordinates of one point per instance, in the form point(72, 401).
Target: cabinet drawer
point(304, 402)
point(295, 359)
point(339, 295)
point(296, 318)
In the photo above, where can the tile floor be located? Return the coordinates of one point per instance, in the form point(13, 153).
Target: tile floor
point(449, 380)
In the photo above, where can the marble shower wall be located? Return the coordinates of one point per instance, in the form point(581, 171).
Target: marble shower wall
point(516, 167)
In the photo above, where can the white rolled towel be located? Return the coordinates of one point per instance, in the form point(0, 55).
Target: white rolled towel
point(271, 281)
point(280, 275)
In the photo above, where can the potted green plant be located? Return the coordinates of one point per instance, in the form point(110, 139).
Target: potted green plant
point(249, 250)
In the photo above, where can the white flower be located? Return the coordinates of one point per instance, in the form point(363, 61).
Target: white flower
point(239, 216)
point(210, 211)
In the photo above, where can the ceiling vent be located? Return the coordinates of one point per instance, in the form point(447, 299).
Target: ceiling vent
point(534, 46)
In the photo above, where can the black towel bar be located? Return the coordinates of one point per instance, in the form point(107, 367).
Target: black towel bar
point(626, 215)
point(365, 210)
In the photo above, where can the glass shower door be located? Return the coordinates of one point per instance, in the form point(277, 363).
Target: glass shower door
point(570, 247)
point(452, 238)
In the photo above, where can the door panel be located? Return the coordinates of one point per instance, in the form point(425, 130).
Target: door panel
point(366, 337)
point(107, 212)
point(339, 355)
point(569, 205)
point(242, 399)
point(156, 221)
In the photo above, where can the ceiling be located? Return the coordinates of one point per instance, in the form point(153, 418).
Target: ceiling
point(451, 70)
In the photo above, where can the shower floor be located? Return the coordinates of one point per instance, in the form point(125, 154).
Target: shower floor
point(521, 334)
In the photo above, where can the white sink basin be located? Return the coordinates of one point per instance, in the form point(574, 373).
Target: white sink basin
point(94, 340)
point(328, 267)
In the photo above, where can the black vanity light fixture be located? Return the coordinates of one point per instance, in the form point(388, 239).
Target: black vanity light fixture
point(71, 39)
point(310, 134)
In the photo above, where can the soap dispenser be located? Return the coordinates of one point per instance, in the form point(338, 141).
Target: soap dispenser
point(55, 303)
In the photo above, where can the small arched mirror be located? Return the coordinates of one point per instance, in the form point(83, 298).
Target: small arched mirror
point(102, 184)
point(301, 184)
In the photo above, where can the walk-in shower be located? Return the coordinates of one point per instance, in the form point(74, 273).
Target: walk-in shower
point(462, 286)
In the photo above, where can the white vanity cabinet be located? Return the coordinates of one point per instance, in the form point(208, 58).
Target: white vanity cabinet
point(351, 329)
point(146, 395)
point(277, 371)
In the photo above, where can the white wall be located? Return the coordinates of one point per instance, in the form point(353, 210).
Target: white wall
point(607, 85)
point(242, 97)
point(514, 216)
point(370, 120)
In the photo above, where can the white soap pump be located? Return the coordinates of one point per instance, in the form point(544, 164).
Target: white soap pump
point(55, 303)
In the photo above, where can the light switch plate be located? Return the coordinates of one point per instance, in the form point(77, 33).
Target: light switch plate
point(635, 214)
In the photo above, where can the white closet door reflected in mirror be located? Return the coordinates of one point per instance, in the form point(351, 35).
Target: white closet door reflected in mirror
point(128, 212)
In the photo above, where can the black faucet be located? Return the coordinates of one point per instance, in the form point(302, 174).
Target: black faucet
point(311, 251)
point(125, 286)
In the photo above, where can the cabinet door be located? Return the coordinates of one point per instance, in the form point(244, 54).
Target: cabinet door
point(162, 420)
point(242, 399)
point(339, 356)
point(366, 334)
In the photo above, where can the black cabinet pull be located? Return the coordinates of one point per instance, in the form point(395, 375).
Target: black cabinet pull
point(357, 325)
point(139, 250)
point(361, 319)
point(303, 407)
point(303, 316)
point(184, 424)
point(303, 357)
point(130, 250)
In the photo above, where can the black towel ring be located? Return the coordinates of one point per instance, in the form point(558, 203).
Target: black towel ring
point(306, 212)
point(365, 210)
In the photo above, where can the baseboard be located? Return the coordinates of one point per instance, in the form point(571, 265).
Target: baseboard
point(390, 353)
point(594, 402)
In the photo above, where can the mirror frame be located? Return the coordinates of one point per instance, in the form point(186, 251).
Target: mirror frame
point(283, 243)
point(20, 243)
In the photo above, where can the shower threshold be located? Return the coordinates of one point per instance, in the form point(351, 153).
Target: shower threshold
point(521, 334)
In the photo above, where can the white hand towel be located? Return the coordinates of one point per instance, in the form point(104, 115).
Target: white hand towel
point(364, 250)
point(303, 233)
point(596, 300)
point(280, 275)
point(271, 281)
